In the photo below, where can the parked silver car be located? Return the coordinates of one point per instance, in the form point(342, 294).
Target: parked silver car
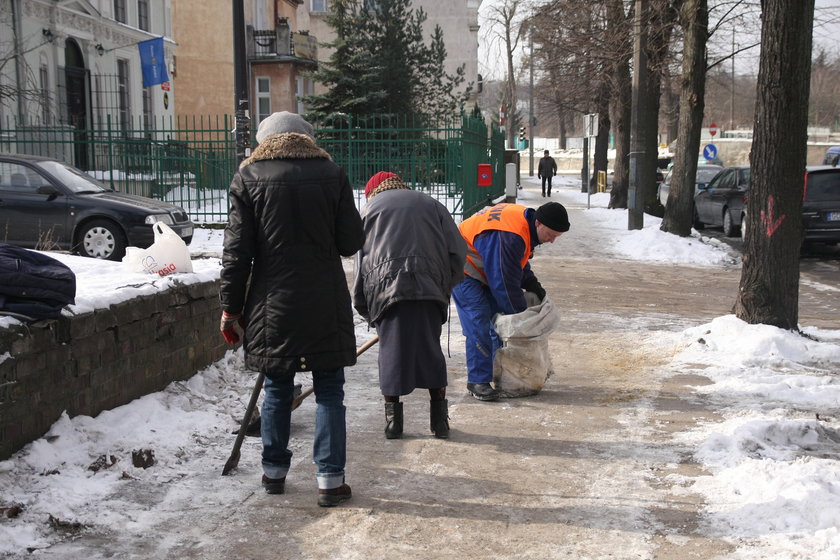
point(705, 173)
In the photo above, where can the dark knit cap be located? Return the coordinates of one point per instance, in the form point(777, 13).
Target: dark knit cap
point(553, 215)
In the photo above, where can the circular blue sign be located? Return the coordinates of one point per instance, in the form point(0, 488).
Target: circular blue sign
point(710, 151)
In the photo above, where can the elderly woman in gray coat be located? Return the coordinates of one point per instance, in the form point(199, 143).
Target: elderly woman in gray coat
point(412, 258)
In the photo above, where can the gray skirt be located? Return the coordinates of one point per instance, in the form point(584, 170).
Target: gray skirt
point(410, 356)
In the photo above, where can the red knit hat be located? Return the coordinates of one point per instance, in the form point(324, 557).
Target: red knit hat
point(377, 180)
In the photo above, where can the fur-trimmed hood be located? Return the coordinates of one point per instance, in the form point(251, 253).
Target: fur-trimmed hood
point(289, 145)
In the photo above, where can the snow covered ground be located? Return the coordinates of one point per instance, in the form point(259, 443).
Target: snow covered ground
point(773, 458)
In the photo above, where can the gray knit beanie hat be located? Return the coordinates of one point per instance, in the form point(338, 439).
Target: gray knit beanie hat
point(283, 121)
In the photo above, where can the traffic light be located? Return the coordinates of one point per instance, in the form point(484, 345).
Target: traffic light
point(522, 134)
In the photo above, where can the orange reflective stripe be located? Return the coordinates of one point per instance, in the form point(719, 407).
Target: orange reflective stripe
point(501, 217)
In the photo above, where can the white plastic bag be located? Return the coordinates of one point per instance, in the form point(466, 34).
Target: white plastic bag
point(166, 255)
point(523, 363)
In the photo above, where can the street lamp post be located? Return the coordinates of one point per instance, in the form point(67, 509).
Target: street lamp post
point(531, 108)
point(240, 84)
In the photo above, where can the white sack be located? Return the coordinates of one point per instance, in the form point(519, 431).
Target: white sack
point(523, 363)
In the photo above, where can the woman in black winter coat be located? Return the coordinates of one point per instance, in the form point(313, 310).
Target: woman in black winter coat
point(292, 218)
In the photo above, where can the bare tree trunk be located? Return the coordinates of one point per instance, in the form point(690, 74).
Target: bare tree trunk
point(679, 212)
point(621, 167)
point(769, 289)
point(651, 138)
point(671, 108)
point(621, 97)
point(602, 140)
point(561, 133)
point(663, 19)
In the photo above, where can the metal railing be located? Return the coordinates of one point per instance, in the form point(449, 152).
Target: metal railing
point(438, 157)
point(190, 162)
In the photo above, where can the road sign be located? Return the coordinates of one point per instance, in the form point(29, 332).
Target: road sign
point(590, 124)
point(713, 129)
point(710, 152)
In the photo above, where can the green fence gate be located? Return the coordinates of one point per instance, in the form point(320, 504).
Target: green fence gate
point(190, 162)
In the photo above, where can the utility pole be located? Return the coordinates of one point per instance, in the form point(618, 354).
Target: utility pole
point(635, 195)
point(732, 99)
point(240, 84)
point(531, 106)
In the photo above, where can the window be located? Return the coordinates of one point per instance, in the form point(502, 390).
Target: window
point(822, 187)
point(147, 109)
point(119, 11)
point(263, 98)
point(44, 77)
point(727, 180)
point(303, 87)
point(743, 178)
point(122, 93)
point(143, 14)
point(319, 6)
point(19, 178)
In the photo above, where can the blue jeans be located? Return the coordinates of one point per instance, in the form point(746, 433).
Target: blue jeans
point(329, 448)
point(476, 308)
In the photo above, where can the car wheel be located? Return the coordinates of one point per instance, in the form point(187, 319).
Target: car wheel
point(101, 239)
point(729, 228)
point(744, 226)
point(697, 223)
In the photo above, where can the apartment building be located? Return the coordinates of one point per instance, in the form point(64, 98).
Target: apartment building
point(277, 54)
point(78, 63)
point(458, 19)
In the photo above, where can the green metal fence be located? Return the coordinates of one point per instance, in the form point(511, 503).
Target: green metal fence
point(439, 157)
point(190, 162)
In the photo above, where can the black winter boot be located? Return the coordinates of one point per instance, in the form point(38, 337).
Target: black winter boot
point(439, 414)
point(393, 420)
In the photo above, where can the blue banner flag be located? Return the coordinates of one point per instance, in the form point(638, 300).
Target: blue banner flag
point(152, 62)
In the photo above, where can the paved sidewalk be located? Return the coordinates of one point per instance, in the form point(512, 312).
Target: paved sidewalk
point(579, 471)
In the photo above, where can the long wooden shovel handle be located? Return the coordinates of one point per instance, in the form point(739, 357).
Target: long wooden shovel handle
point(362, 349)
point(233, 460)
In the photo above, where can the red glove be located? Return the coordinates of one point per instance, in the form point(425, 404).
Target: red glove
point(228, 326)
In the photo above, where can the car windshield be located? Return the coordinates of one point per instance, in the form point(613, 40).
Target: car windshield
point(823, 187)
point(72, 178)
point(705, 174)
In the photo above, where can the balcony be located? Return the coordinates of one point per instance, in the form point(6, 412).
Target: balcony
point(281, 45)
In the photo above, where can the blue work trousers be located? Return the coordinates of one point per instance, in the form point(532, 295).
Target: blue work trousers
point(476, 309)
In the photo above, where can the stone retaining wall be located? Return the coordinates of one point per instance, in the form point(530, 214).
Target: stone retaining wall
point(100, 360)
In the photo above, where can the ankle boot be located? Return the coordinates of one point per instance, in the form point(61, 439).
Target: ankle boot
point(393, 420)
point(439, 414)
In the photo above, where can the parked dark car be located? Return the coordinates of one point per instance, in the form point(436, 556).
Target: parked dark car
point(46, 204)
point(705, 173)
point(721, 202)
point(821, 204)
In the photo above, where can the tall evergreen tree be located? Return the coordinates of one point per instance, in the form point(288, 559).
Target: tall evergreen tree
point(353, 72)
point(381, 65)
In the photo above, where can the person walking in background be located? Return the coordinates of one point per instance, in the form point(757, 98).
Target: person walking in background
point(412, 258)
point(500, 242)
point(545, 171)
point(292, 217)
